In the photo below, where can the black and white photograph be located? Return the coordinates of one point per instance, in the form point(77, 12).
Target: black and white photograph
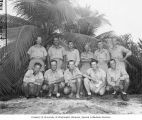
point(71, 57)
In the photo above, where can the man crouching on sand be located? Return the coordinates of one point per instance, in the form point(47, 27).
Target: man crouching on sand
point(32, 81)
point(72, 78)
point(95, 79)
point(54, 80)
point(118, 80)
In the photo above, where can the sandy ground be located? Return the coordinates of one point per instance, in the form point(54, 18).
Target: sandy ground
point(97, 105)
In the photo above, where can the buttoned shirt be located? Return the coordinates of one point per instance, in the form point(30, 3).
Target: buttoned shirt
point(73, 55)
point(37, 52)
point(56, 52)
point(99, 75)
point(52, 76)
point(102, 55)
point(36, 79)
point(87, 55)
point(69, 75)
point(113, 76)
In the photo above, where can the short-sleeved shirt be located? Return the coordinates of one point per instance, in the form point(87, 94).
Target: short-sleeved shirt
point(56, 52)
point(73, 55)
point(37, 52)
point(114, 75)
point(117, 52)
point(101, 55)
point(99, 74)
point(68, 75)
point(51, 76)
point(30, 77)
point(87, 55)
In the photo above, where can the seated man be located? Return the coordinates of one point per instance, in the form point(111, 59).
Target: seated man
point(72, 78)
point(37, 53)
point(95, 79)
point(54, 79)
point(118, 80)
point(32, 81)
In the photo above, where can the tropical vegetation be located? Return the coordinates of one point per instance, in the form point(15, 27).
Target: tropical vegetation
point(43, 17)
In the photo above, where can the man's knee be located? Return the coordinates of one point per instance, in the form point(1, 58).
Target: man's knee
point(102, 91)
point(61, 85)
point(79, 80)
point(45, 87)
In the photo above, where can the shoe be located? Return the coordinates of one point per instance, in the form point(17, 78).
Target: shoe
point(27, 97)
point(58, 95)
point(89, 97)
point(77, 96)
point(124, 97)
point(115, 95)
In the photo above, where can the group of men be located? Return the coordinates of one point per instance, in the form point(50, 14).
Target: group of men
point(72, 74)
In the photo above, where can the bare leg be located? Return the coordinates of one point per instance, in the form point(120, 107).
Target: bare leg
point(87, 85)
point(79, 81)
point(73, 89)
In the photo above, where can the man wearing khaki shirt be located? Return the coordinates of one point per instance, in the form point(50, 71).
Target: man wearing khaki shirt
point(54, 79)
point(37, 54)
point(56, 52)
point(72, 54)
point(118, 80)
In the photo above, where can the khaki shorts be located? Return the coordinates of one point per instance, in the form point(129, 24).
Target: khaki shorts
point(94, 88)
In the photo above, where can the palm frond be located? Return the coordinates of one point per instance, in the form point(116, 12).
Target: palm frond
point(15, 61)
point(43, 11)
point(13, 21)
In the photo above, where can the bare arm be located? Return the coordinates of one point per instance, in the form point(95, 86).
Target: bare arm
point(107, 55)
point(77, 58)
point(128, 52)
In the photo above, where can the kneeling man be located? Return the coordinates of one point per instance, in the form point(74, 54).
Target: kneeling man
point(54, 79)
point(32, 81)
point(95, 79)
point(72, 78)
point(118, 80)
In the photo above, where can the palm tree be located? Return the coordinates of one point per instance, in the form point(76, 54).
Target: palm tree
point(88, 21)
point(47, 14)
point(13, 21)
point(44, 16)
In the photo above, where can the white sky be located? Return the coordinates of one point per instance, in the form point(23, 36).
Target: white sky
point(124, 15)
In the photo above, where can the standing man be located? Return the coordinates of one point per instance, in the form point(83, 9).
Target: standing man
point(86, 57)
point(33, 80)
point(54, 79)
point(37, 54)
point(95, 79)
point(117, 52)
point(103, 56)
point(56, 52)
point(72, 78)
point(72, 54)
point(118, 80)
